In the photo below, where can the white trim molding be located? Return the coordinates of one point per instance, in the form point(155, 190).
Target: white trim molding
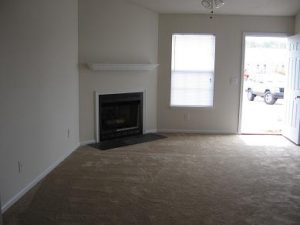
point(20, 194)
point(196, 131)
point(150, 131)
point(83, 143)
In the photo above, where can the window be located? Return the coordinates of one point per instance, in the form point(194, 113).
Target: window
point(193, 63)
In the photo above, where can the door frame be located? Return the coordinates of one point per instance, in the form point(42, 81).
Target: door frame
point(241, 93)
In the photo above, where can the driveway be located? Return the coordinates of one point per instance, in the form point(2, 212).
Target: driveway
point(258, 117)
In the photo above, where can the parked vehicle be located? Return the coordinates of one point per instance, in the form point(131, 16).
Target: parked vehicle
point(268, 86)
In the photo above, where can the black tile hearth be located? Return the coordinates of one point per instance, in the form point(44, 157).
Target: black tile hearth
point(105, 145)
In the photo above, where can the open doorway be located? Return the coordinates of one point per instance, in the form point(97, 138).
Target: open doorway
point(264, 77)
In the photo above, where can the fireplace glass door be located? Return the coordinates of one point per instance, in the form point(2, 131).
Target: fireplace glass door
point(120, 115)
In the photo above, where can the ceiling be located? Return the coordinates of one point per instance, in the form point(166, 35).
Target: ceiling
point(231, 7)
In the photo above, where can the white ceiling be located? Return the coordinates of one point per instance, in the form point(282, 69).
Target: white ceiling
point(231, 7)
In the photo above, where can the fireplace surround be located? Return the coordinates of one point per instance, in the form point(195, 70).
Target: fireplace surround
point(119, 115)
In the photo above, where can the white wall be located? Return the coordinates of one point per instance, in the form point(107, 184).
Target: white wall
point(297, 24)
point(116, 32)
point(223, 117)
point(38, 89)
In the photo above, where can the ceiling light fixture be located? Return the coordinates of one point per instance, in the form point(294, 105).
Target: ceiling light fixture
point(211, 4)
point(207, 4)
point(218, 3)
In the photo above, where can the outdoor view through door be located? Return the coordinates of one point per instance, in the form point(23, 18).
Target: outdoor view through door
point(265, 73)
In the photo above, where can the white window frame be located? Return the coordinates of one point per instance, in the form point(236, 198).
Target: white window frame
point(213, 92)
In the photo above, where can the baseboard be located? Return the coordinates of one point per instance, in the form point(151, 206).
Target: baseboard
point(20, 194)
point(195, 131)
point(150, 131)
point(82, 143)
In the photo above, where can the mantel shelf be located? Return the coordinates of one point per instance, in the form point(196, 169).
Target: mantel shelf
point(121, 67)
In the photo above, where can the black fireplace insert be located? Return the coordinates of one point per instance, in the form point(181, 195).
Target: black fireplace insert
point(120, 115)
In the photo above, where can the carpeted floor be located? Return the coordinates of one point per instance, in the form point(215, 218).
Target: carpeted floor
point(180, 180)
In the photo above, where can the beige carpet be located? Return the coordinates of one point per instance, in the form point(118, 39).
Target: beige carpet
point(181, 180)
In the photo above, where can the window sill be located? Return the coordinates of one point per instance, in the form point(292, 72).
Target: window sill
point(188, 107)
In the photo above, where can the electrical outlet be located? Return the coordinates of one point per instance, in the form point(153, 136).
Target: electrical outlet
point(20, 166)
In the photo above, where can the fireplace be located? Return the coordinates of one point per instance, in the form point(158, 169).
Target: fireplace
point(120, 115)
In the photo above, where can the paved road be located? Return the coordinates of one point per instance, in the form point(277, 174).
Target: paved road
point(258, 117)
